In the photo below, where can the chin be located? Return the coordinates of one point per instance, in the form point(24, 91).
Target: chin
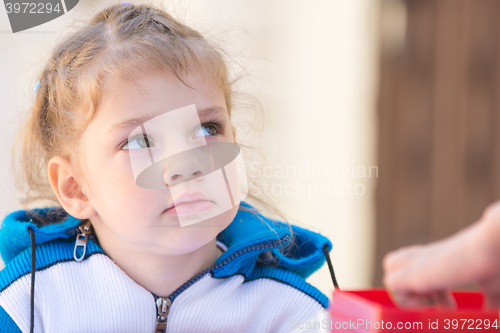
point(220, 221)
point(201, 233)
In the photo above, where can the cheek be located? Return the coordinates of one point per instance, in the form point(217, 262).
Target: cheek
point(132, 201)
point(114, 190)
point(130, 211)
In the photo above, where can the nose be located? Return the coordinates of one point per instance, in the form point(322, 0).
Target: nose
point(181, 168)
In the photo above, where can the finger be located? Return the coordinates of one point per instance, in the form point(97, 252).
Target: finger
point(444, 299)
point(402, 257)
point(400, 280)
point(410, 300)
point(491, 289)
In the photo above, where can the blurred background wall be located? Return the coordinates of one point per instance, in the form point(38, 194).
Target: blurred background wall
point(313, 65)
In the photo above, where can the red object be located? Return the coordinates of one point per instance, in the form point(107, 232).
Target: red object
point(374, 311)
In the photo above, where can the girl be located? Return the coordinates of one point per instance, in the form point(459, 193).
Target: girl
point(115, 256)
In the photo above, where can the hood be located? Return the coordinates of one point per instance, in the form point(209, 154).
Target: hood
point(270, 242)
point(251, 237)
point(14, 234)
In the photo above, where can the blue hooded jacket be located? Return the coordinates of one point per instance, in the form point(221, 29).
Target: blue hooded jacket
point(250, 271)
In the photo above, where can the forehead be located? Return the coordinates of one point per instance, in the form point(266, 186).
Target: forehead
point(151, 93)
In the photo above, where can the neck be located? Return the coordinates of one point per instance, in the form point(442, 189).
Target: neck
point(160, 274)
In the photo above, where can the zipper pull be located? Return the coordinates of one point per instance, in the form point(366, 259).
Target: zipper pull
point(163, 305)
point(81, 240)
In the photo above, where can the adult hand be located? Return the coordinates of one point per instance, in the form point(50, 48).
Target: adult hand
point(470, 256)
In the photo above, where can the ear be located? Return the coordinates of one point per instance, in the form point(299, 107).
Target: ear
point(68, 191)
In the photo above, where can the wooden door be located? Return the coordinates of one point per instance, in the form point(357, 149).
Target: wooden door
point(439, 123)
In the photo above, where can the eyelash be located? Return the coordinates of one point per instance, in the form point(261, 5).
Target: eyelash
point(214, 123)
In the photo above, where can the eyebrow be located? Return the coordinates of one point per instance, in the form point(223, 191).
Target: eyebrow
point(134, 122)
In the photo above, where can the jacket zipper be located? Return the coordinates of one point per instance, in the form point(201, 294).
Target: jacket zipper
point(163, 304)
point(81, 240)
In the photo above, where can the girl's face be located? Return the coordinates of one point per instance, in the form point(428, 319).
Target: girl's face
point(131, 216)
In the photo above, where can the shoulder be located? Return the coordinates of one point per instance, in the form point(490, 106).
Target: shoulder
point(56, 275)
point(290, 281)
point(266, 276)
point(268, 299)
point(6, 323)
point(49, 255)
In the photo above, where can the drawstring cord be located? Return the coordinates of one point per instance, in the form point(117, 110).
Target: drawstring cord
point(33, 270)
point(330, 267)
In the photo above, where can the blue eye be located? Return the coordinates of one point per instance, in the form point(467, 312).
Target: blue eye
point(138, 142)
point(207, 129)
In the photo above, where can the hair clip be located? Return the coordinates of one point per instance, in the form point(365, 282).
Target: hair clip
point(124, 3)
point(35, 87)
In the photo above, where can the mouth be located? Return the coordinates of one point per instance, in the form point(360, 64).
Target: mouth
point(189, 203)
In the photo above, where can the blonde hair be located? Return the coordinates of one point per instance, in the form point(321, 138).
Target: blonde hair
point(117, 41)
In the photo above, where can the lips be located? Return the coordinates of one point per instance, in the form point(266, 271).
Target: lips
point(190, 202)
